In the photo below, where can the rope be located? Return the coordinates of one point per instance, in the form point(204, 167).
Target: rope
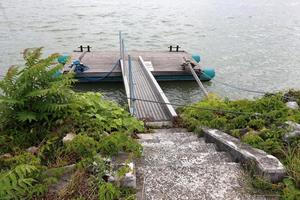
point(104, 77)
point(233, 86)
point(246, 90)
point(196, 107)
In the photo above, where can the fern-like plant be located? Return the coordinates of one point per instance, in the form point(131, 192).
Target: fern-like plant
point(34, 94)
point(17, 183)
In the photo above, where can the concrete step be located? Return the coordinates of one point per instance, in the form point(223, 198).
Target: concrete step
point(177, 137)
point(153, 158)
point(169, 147)
point(177, 164)
point(170, 130)
point(209, 181)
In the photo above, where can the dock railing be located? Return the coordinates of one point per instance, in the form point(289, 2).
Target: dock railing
point(131, 87)
point(127, 75)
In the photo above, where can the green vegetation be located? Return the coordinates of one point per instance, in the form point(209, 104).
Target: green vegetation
point(38, 108)
point(259, 123)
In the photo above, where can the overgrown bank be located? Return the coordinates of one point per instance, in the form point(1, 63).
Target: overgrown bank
point(262, 123)
point(38, 109)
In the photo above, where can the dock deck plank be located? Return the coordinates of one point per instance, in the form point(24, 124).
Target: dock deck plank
point(100, 63)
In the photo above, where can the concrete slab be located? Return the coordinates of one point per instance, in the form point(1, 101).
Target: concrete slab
point(266, 165)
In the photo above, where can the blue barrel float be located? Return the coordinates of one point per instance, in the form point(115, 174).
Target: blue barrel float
point(62, 60)
point(207, 73)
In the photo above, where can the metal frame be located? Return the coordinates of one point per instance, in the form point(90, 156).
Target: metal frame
point(131, 87)
point(127, 75)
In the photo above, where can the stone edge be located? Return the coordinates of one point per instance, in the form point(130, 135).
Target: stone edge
point(267, 165)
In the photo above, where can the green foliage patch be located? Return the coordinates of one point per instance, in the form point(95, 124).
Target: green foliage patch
point(38, 108)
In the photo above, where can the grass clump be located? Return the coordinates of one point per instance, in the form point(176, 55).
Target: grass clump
point(259, 123)
point(38, 108)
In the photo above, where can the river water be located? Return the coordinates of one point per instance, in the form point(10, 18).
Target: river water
point(253, 44)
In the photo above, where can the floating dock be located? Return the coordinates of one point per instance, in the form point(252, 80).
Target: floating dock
point(140, 71)
point(164, 65)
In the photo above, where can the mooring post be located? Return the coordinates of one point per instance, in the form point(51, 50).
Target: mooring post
point(88, 48)
point(171, 48)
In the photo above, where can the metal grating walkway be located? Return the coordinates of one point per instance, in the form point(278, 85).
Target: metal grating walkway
point(144, 88)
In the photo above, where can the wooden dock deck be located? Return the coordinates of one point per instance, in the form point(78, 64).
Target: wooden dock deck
point(166, 65)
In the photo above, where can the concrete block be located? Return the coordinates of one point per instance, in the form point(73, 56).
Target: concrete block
point(266, 165)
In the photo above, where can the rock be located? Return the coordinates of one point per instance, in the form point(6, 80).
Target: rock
point(292, 105)
point(33, 150)
point(68, 138)
point(291, 135)
point(111, 179)
point(129, 180)
point(6, 156)
point(294, 133)
point(105, 133)
point(293, 125)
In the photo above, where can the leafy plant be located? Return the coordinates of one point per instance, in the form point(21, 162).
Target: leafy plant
point(37, 108)
point(22, 158)
point(34, 94)
point(47, 152)
point(111, 145)
point(253, 139)
point(290, 192)
point(96, 115)
point(292, 160)
point(82, 145)
point(17, 183)
point(107, 191)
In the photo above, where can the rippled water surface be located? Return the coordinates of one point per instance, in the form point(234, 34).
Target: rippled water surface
point(251, 43)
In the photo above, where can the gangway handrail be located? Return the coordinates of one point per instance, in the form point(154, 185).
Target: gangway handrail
point(123, 69)
point(131, 87)
point(171, 111)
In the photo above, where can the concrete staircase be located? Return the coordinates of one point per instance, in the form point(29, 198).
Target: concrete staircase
point(177, 164)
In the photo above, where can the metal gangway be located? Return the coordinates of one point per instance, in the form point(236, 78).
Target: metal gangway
point(146, 99)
